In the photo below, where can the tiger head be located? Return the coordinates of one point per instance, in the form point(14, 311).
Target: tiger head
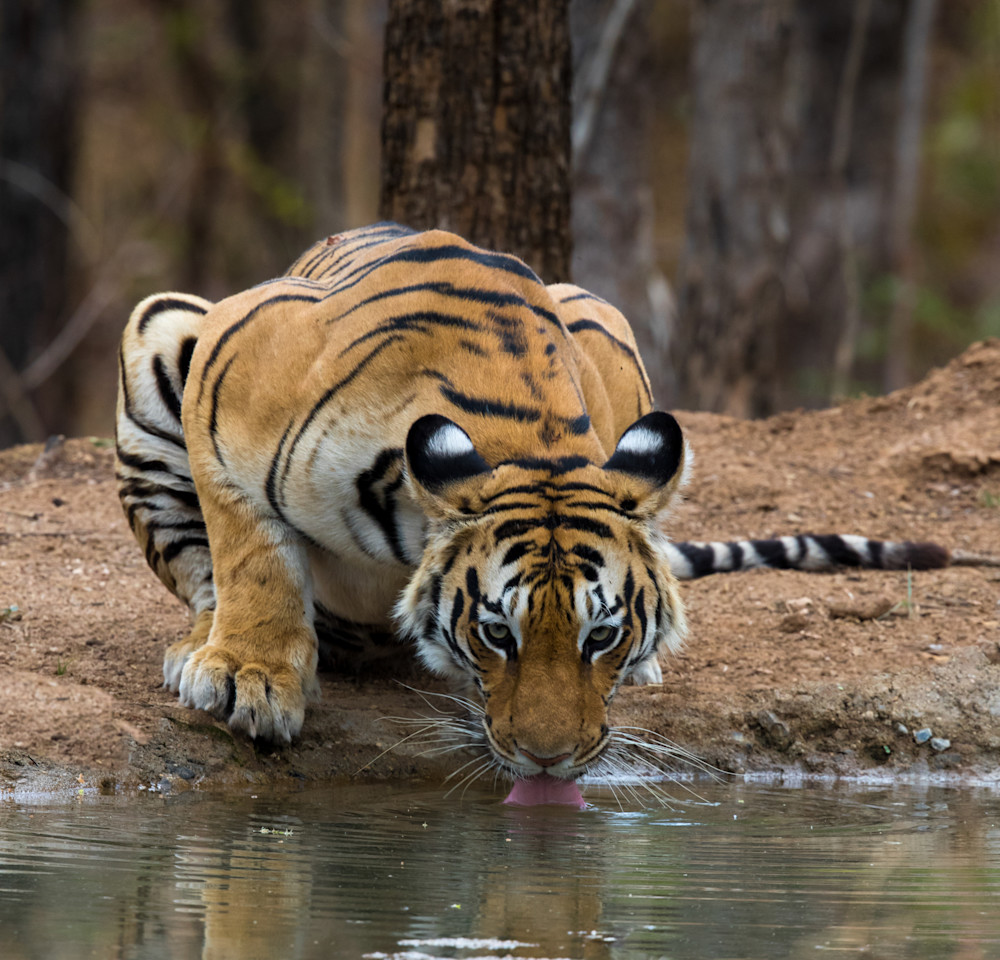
point(544, 584)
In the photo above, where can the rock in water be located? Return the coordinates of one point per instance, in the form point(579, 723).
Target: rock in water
point(532, 791)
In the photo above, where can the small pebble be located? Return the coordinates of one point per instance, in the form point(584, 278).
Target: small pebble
point(940, 743)
point(902, 729)
point(922, 736)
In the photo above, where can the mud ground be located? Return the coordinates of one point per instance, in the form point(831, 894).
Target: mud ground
point(784, 673)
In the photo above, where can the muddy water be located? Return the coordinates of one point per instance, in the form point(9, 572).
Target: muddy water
point(386, 872)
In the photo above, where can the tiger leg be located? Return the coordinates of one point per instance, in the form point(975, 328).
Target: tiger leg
point(258, 666)
point(152, 468)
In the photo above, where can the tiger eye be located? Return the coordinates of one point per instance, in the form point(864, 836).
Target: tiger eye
point(600, 634)
point(497, 631)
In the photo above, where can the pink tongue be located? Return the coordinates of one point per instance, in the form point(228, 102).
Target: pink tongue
point(532, 791)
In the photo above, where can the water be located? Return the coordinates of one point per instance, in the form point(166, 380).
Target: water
point(392, 872)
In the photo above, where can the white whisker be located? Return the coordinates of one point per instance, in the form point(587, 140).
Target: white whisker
point(636, 762)
point(389, 749)
point(454, 773)
point(484, 763)
point(465, 702)
point(443, 732)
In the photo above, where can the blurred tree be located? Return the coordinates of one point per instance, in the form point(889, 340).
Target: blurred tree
point(39, 96)
point(791, 194)
point(613, 211)
point(476, 124)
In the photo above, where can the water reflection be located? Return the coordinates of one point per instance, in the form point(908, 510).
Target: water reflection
point(388, 872)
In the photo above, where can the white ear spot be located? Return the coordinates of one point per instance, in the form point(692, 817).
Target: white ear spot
point(640, 441)
point(449, 441)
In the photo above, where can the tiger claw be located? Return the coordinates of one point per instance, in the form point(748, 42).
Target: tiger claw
point(264, 702)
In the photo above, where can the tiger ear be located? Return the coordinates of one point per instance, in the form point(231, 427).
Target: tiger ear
point(440, 457)
point(653, 457)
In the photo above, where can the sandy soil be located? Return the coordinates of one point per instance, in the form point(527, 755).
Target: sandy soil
point(789, 673)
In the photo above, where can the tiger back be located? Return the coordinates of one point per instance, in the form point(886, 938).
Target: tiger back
point(405, 436)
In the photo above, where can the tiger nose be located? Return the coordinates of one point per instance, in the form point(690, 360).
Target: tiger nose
point(544, 761)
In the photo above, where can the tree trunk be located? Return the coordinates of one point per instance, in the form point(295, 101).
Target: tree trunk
point(38, 112)
point(476, 124)
point(766, 279)
point(613, 210)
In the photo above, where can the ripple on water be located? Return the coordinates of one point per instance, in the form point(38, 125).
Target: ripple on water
point(377, 871)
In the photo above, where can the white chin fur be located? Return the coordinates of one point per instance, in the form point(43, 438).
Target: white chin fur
point(647, 673)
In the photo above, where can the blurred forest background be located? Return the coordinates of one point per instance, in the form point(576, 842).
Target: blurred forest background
point(835, 164)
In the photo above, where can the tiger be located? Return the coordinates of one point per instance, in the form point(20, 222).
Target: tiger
point(408, 442)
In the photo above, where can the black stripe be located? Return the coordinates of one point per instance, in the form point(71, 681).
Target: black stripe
point(450, 252)
point(383, 511)
point(184, 358)
point(584, 296)
point(139, 463)
point(701, 558)
point(141, 489)
point(578, 326)
point(510, 332)
point(514, 581)
point(640, 612)
point(577, 425)
point(469, 347)
point(166, 389)
point(802, 542)
point(773, 553)
point(838, 550)
point(272, 475)
point(235, 328)
point(589, 554)
point(517, 551)
point(495, 261)
point(457, 606)
point(306, 269)
point(152, 430)
point(330, 394)
point(176, 546)
point(516, 528)
point(421, 322)
point(445, 288)
point(522, 525)
point(510, 505)
point(472, 585)
point(877, 553)
point(555, 467)
point(149, 428)
point(600, 505)
point(587, 525)
point(340, 256)
point(489, 408)
point(179, 525)
point(576, 486)
point(213, 422)
point(159, 306)
point(541, 489)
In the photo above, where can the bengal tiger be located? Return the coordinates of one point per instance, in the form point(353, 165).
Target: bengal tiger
point(408, 437)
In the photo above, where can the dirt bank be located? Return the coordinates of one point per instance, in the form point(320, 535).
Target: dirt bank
point(821, 674)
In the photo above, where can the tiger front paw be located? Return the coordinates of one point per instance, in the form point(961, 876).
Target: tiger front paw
point(261, 700)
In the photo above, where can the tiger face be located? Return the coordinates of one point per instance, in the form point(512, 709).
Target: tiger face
point(544, 584)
